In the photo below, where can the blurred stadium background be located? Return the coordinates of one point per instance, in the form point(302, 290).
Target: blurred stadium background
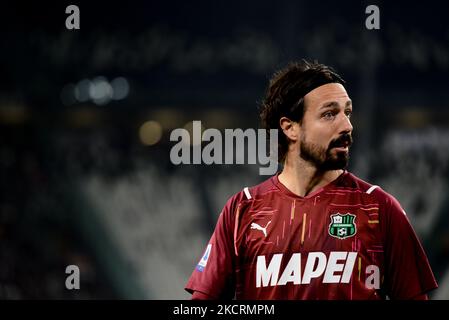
point(86, 116)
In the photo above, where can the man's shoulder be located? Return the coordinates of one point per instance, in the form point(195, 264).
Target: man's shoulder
point(350, 181)
point(245, 197)
point(261, 189)
point(374, 190)
point(249, 193)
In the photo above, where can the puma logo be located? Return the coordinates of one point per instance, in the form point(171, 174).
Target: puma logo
point(258, 227)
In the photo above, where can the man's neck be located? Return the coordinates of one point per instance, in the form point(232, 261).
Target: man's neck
point(303, 178)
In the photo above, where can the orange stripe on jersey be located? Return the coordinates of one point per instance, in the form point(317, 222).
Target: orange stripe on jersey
point(304, 219)
point(373, 221)
point(236, 227)
point(292, 215)
point(360, 266)
point(336, 193)
point(368, 209)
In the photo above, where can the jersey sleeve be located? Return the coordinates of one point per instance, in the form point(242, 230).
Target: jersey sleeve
point(214, 273)
point(407, 270)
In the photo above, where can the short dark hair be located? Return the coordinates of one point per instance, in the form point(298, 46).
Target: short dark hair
point(285, 95)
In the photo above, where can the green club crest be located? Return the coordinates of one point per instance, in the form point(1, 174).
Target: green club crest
point(342, 226)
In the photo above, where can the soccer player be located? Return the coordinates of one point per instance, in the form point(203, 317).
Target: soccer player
point(314, 230)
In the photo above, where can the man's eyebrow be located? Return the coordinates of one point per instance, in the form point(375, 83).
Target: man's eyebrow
point(333, 104)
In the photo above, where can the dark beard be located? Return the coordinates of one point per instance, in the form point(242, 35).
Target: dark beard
point(322, 157)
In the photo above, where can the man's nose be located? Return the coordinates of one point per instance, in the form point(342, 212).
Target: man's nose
point(345, 125)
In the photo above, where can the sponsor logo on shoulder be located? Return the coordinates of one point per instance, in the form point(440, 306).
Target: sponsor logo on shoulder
point(203, 262)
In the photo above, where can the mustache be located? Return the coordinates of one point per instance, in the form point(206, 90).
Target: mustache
point(345, 138)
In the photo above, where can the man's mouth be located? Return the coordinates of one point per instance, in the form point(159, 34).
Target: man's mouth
point(342, 145)
point(344, 149)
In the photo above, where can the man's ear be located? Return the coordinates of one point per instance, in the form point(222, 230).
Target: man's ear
point(290, 128)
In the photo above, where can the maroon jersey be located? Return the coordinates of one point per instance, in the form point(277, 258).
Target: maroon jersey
point(347, 240)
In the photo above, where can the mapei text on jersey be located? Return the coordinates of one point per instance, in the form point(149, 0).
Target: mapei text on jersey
point(337, 268)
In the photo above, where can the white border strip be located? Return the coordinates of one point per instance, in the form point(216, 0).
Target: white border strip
point(247, 194)
point(371, 189)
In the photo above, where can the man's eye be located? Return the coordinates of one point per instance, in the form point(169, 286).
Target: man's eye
point(328, 115)
point(349, 114)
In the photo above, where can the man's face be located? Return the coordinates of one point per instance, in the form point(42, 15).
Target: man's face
point(326, 130)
